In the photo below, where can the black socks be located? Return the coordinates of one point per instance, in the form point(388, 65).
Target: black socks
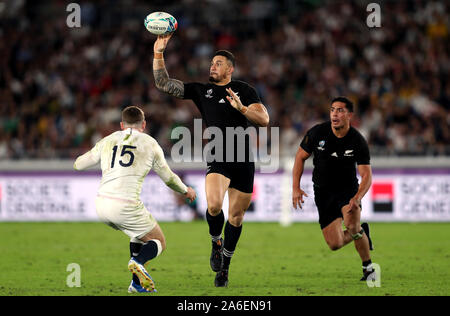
point(215, 224)
point(366, 265)
point(148, 251)
point(142, 253)
point(134, 251)
point(232, 234)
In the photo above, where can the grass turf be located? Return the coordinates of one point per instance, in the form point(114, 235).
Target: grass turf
point(269, 261)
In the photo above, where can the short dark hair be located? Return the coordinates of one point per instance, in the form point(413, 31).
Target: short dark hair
point(228, 55)
point(132, 115)
point(347, 102)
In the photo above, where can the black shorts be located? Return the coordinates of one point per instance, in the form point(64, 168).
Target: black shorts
point(329, 204)
point(241, 174)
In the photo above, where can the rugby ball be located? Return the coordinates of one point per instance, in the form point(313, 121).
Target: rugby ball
point(160, 23)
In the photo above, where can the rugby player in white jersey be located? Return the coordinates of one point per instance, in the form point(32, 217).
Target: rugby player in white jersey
point(126, 157)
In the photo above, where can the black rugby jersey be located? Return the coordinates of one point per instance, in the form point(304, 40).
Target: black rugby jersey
point(335, 158)
point(215, 109)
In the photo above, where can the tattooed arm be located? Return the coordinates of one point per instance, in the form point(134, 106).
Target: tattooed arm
point(165, 84)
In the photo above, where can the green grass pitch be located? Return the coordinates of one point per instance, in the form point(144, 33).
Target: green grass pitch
point(270, 260)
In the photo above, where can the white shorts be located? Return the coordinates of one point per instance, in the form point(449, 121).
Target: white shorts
point(130, 217)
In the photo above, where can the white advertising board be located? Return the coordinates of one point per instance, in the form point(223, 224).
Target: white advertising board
point(395, 195)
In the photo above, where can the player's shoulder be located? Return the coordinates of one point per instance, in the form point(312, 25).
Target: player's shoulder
point(112, 136)
point(320, 128)
point(195, 85)
point(145, 138)
point(194, 89)
point(150, 139)
point(354, 133)
point(152, 142)
point(146, 143)
point(240, 84)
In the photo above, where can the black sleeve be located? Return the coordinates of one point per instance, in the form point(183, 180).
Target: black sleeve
point(363, 154)
point(308, 143)
point(190, 91)
point(249, 96)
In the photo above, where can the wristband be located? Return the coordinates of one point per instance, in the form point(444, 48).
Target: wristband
point(158, 56)
point(243, 109)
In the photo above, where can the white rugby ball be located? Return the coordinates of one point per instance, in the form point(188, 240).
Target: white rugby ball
point(160, 23)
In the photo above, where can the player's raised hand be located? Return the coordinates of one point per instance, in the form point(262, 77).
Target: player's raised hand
point(161, 43)
point(297, 197)
point(234, 99)
point(190, 194)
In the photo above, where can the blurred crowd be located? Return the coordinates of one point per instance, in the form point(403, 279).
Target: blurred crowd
point(62, 89)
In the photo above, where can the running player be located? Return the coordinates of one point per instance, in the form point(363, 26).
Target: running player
point(223, 103)
point(126, 157)
point(337, 148)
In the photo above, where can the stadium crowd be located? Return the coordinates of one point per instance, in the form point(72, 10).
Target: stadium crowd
point(62, 89)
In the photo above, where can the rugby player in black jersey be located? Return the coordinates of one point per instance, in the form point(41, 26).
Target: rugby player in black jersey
point(338, 149)
point(223, 103)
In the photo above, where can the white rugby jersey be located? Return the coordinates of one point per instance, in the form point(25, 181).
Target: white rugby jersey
point(126, 157)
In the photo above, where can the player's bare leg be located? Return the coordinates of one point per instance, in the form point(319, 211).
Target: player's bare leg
point(352, 217)
point(334, 236)
point(155, 233)
point(238, 204)
point(154, 244)
point(216, 186)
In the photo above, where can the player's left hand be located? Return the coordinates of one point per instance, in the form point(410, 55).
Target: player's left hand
point(234, 99)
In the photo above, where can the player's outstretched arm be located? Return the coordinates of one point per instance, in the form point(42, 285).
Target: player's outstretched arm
point(165, 84)
point(89, 159)
point(85, 161)
point(297, 172)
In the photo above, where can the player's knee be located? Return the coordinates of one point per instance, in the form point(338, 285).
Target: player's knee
point(214, 206)
point(236, 220)
point(335, 245)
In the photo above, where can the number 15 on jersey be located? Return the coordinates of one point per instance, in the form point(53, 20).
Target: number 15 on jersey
point(126, 151)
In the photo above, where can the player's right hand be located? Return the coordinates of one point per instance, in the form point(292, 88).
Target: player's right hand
point(297, 197)
point(161, 43)
point(190, 194)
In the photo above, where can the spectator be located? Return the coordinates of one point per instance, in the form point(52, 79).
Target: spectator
point(54, 82)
